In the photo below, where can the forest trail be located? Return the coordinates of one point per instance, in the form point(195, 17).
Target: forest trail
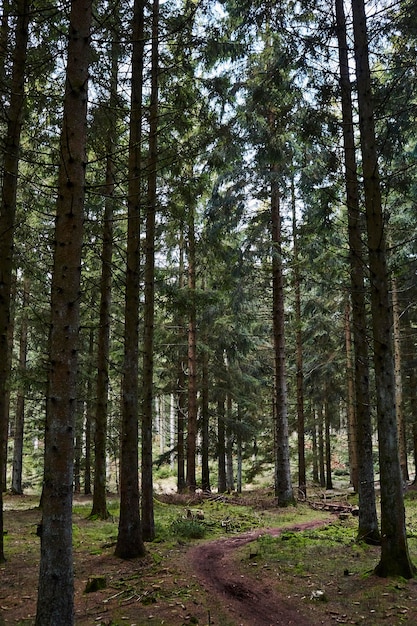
point(249, 602)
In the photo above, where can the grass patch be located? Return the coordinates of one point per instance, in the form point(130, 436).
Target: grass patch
point(327, 573)
point(188, 529)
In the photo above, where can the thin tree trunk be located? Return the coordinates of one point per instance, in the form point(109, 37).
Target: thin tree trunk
point(79, 421)
point(205, 471)
point(221, 446)
point(20, 402)
point(7, 224)
point(230, 482)
point(181, 383)
point(129, 538)
point(192, 361)
point(328, 447)
point(368, 521)
point(314, 446)
point(99, 508)
point(181, 412)
point(56, 578)
point(395, 558)
point(88, 413)
point(172, 441)
point(302, 481)
point(148, 523)
point(283, 486)
point(401, 423)
point(412, 385)
point(321, 454)
point(10, 341)
point(239, 451)
point(350, 405)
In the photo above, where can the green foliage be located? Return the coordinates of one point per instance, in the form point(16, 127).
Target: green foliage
point(188, 528)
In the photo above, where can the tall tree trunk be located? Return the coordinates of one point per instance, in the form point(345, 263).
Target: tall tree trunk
point(314, 445)
point(181, 403)
point(230, 482)
point(78, 435)
point(192, 361)
point(302, 481)
point(328, 447)
point(368, 521)
point(395, 559)
point(20, 401)
point(320, 443)
point(181, 419)
point(56, 578)
point(148, 523)
point(9, 357)
point(88, 413)
point(7, 224)
point(412, 385)
point(129, 538)
point(205, 471)
point(401, 423)
point(350, 405)
point(283, 486)
point(221, 446)
point(239, 451)
point(99, 508)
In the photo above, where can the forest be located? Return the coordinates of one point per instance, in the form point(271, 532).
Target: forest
point(207, 261)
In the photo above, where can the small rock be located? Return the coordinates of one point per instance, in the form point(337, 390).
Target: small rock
point(318, 595)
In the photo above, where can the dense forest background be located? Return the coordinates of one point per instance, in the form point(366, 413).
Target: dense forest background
point(219, 226)
point(218, 78)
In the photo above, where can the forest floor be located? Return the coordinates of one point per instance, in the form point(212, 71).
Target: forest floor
point(235, 579)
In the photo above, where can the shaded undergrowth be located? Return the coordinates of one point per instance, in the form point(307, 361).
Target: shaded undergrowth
point(324, 571)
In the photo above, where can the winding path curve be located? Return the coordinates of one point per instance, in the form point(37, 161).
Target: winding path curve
point(251, 602)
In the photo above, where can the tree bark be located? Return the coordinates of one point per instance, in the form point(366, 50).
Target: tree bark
point(129, 538)
point(148, 523)
point(221, 446)
point(99, 508)
point(328, 448)
point(181, 404)
point(283, 486)
point(78, 434)
point(320, 442)
point(239, 460)
point(88, 413)
point(230, 482)
point(314, 446)
point(7, 224)
point(368, 521)
point(395, 559)
point(351, 413)
point(302, 481)
point(181, 420)
point(55, 605)
point(20, 401)
point(192, 361)
point(401, 422)
point(205, 470)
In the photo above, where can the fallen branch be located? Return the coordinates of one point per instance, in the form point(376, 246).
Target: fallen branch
point(333, 507)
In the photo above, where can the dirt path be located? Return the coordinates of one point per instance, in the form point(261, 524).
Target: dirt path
point(248, 601)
